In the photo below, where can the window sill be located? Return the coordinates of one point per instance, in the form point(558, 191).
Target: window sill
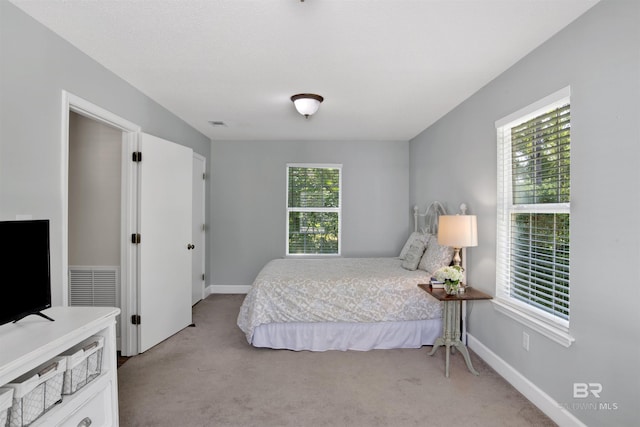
point(312, 256)
point(556, 333)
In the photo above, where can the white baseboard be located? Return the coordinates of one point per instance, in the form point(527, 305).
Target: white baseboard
point(559, 414)
point(226, 289)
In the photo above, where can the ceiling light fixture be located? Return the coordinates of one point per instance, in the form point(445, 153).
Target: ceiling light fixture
point(307, 103)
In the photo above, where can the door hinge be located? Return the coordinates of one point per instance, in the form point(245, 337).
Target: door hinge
point(135, 319)
point(204, 176)
point(204, 227)
point(203, 277)
point(135, 238)
point(137, 156)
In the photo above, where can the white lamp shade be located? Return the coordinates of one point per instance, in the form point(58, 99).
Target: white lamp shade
point(307, 103)
point(458, 231)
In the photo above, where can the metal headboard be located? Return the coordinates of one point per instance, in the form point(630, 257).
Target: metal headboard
point(430, 216)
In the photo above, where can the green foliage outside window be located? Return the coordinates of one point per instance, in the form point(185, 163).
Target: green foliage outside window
point(540, 240)
point(540, 261)
point(313, 233)
point(314, 203)
point(541, 159)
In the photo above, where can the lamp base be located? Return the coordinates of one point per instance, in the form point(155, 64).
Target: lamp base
point(456, 257)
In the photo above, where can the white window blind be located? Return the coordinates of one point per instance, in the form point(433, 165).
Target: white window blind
point(533, 239)
point(313, 209)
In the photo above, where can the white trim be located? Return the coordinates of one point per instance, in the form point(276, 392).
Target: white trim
point(549, 325)
point(128, 252)
point(128, 278)
point(541, 106)
point(315, 165)
point(226, 289)
point(337, 210)
point(555, 332)
point(204, 218)
point(537, 396)
point(313, 256)
point(64, 191)
point(99, 114)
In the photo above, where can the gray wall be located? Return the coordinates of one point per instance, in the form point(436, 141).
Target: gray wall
point(599, 56)
point(95, 158)
point(248, 192)
point(35, 66)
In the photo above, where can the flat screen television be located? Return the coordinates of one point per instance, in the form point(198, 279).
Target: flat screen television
point(24, 263)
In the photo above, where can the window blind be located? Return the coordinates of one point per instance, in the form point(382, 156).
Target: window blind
point(533, 241)
point(313, 209)
point(541, 158)
point(311, 187)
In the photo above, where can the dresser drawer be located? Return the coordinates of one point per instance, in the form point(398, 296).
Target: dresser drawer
point(96, 412)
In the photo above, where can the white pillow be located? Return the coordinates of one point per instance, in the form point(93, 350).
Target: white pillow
point(435, 256)
point(415, 236)
point(413, 256)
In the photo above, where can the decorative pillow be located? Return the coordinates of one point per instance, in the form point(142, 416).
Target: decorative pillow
point(415, 236)
point(413, 256)
point(435, 256)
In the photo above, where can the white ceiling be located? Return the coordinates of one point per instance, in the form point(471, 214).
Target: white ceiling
point(387, 68)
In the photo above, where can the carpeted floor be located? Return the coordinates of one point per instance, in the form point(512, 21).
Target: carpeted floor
point(209, 376)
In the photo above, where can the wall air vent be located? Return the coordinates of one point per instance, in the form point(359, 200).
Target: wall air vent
point(94, 286)
point(97, 286)
point(217, 123)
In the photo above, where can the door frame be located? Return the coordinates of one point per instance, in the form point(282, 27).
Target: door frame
point(128, 220)
point(203, 217)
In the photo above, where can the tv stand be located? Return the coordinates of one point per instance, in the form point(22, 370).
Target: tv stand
point(37, 313)
point(32, 342)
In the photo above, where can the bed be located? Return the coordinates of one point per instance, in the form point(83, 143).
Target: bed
point(349, 303)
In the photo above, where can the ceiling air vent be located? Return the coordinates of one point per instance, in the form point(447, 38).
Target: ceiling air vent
point(217, 123)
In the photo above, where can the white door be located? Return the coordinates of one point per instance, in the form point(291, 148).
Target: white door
point(198, 229)
point(164, 295)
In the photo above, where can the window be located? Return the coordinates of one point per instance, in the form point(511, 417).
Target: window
point(313, 209)
point(533, 240)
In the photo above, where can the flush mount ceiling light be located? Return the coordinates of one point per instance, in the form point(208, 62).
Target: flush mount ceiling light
point(307, 103)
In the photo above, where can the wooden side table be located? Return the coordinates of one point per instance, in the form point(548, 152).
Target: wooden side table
point(451, 322)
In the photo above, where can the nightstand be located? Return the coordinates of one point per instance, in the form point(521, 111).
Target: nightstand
point(451, 322)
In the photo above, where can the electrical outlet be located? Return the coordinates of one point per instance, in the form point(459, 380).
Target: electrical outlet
point(525, 341)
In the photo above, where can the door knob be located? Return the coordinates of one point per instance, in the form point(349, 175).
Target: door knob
point(190, 246)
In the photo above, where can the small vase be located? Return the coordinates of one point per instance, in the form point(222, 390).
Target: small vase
point(451, 287)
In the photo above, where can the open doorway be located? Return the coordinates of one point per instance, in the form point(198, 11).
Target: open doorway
point(95, 157)
point(77, 110)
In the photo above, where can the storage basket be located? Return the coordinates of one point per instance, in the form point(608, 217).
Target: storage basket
point(84, 363)
point(37, 391)
point(6, 400)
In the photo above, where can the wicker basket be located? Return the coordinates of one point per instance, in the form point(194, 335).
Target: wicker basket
point(35, 392)
point(6, 400)
point(84, 364)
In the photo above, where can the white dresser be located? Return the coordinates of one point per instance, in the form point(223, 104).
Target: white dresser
point(33, 341)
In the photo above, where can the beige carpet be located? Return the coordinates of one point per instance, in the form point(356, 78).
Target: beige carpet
point(209, 376)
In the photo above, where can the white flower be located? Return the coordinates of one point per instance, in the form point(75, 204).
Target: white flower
point(448, 273)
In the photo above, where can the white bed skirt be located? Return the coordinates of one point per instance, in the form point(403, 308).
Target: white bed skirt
point(347, 336)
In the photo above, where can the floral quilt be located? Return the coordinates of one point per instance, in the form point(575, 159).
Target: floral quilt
point(336, 290)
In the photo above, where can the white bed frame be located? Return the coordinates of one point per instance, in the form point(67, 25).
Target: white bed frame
point(430, 215)
point(323, 336)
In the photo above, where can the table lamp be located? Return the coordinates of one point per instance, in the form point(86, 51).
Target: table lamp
point(457, 231)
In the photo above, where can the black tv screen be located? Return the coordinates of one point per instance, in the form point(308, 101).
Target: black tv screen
point(24, 263)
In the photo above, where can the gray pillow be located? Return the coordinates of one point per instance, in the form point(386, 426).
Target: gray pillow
point(435, 257)
point(413, 256)
point(415, 236)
